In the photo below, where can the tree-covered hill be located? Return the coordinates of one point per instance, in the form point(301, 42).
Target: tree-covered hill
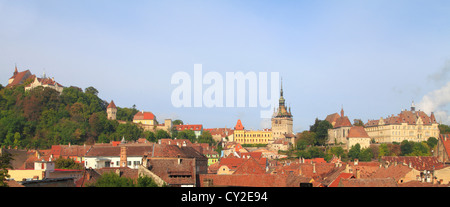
point(42, 117)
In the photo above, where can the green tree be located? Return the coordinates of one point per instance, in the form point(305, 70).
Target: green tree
point(444, 129)
point(5, 163)
point(322, 132)
point(365, 155)
point(177, 122)
point(383, 150)
point(354, 151)
point(62, 163)
point(206, 137)
point(406, 147)
point(145, 181)
point(162, 134)
point(306, 138)
point(111, 179)
point(432, 142)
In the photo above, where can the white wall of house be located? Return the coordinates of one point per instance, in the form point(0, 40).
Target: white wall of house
point(110, 161)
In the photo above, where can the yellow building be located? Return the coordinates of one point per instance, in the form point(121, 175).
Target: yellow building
point(243, 136)
point(142, 117)
point(411, 125)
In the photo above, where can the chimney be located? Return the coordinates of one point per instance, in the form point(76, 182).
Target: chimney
point(123, 157)
point(358, 174)
point(314, 167)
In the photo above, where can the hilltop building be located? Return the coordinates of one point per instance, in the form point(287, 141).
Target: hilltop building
point(282, 121)
point(46, 83)
point(19, 77)
point(147, 120)
point(341, 128)
point(111, 111)
point(410, 125)
point(357, 135)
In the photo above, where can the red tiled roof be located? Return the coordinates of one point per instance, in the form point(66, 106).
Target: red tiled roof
point(358, 132)
point(370, 182)
point(335, 183)
point(445, 139)
point(193, 127)
point(144, 116)
point(223, 132)
point(417, 162)
point(342, 121)
point(409, 117)
point(20, 77)
point(112, 105)
point(332, 117)
point(252, 180)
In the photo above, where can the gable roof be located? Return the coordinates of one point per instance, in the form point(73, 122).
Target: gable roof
point(357, 132)
point(417, 162)
point(20, 77)
point(193, 127)
point(143, 115)
point(342, 121)
point(445, 139)
point(239, 125)
point(369, 182)
point(341, 175)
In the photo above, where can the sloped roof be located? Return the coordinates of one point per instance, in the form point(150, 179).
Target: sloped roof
point(193, 127)
point(239, 125)
point(112, 105)
point(417, 162)
point(358, 132)
point(173, 171)
point(332, 117)
point(342, 121)
point(369, 182)
point(143, 115)
point(20, 77)
point(445, 139)
point(394, 171)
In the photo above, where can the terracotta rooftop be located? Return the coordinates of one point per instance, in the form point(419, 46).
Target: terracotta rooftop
point(193, 127)
point(143, 115)
point(409, 117)
point(445, 138)
point(239, 125)
point(20, 77)
point(369, 182)
point(357, 132)
point(417, 162)
point(112, 105)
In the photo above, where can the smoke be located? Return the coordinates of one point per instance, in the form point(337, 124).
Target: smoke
point(436, 101)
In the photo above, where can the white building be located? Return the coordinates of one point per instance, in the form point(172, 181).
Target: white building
point(116, 156)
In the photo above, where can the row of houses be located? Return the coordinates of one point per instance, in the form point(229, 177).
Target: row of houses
point(181, 163)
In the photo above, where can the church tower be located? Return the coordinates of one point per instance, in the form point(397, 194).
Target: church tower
point(282, 121)
point(111, 111)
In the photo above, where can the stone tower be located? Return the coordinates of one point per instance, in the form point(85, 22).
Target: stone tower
point(111, 111)
point(282, 119)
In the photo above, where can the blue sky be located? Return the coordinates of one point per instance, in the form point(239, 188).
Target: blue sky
point(371, 57)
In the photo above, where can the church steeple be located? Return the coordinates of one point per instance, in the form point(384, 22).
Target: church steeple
point(15, 71)
point(281, 101)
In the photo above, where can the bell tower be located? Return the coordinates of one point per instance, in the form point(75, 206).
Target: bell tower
point(282, 118)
